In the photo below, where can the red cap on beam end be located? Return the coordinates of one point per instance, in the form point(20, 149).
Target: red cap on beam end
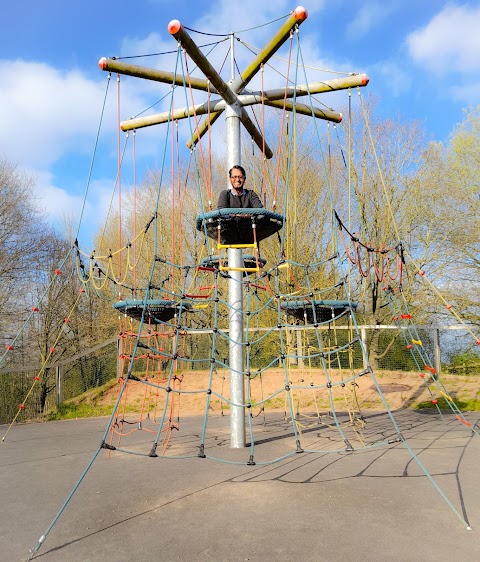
point(174, 27)
point(300, 13)
point(102, 63)
point(365, 80)
point(341, 117)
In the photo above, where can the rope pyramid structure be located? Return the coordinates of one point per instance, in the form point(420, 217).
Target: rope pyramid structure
point(265, 349)
point(307, 324)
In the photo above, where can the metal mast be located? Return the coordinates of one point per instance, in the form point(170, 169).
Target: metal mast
point(235, 287)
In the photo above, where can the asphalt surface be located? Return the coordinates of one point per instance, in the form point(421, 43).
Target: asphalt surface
point(370, 505)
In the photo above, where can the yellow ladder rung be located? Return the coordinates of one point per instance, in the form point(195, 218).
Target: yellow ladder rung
point(449, 398)
point(236, 246)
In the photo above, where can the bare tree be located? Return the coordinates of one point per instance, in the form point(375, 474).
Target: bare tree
point(21, 230)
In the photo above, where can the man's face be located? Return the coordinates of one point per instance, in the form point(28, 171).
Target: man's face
point(237, 179)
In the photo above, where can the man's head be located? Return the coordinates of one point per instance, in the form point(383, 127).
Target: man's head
point(237, 178)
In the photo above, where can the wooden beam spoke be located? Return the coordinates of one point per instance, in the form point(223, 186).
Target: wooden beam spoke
point(353, 81)
point(114, 65)
point(216, 106)
point(255, 134)
point(251, 98)
point(318, 112)
point(202, 129)
point(223, 89)
point(296, 18)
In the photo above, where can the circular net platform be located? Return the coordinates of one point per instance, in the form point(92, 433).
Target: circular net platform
point(156, 310)
point(235, 226)
point(314, 311)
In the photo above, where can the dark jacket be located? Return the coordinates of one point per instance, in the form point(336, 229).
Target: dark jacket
point(227, 200)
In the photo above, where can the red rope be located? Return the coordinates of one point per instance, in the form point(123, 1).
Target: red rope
point(282, 126)
point(119, 181)
point(196, 120)
point(264, 162)
point(135, 214)
point(363, 273)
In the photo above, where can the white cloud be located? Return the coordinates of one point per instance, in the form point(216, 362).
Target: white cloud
point(395, 78)
point(57, 202)
point(101, 201)
point(64, 208)
point(450, 42)
point(49, 115)
point(466, 94)
point(103, 196)
point(45, 112)
point(369, 16)
point(225, 19)
point(148, 45)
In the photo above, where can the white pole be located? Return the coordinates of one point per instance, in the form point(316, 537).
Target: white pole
point(437, 350)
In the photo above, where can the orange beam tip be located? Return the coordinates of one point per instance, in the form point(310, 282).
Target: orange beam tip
point(174, 27)
point(300, 13)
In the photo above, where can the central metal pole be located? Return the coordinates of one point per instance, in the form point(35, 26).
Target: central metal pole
point(235, 291)
point(237, 386)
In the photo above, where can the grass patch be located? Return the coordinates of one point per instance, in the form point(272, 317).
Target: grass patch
point(73, 411)
point(86, 405)
point(276, 403)
point(467, 405)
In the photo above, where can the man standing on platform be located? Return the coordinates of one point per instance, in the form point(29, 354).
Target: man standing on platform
point(238, 197)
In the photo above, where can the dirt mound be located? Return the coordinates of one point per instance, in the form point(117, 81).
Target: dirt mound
point(188, 391)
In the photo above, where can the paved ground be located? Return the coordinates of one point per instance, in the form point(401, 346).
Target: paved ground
point(369, 506)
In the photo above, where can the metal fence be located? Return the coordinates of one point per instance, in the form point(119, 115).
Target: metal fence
point(444, 345)
point(31, 392)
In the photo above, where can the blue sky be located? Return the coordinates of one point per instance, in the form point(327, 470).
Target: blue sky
point(422, 57)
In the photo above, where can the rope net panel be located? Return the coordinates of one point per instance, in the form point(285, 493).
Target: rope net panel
point(307, 379)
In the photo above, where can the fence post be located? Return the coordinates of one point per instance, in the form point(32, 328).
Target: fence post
point(58, 385)
point(291, 350)
point(300, 351)
point(437, 350)
point(363, 335)
point(119, 357)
